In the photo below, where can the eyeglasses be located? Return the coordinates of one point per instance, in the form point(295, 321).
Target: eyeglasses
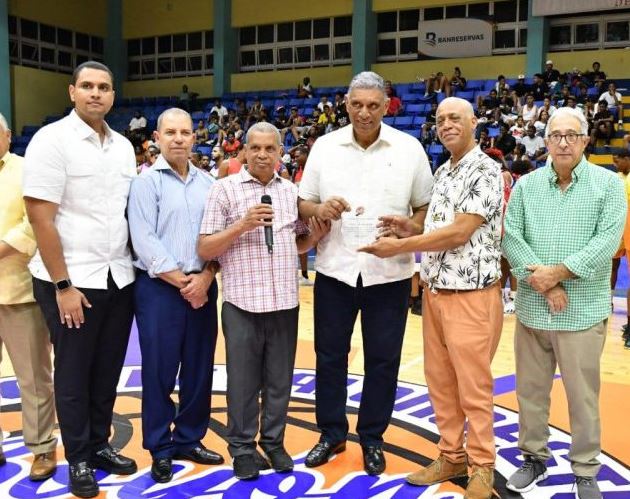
point(570, 138)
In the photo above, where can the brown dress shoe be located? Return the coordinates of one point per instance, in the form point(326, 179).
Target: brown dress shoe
point(440, 470)
point(44, 466)
point(481, 483)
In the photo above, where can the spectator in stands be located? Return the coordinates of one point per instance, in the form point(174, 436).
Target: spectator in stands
point(204, 164)
point(201, 133)
point(428, 127)
point(571, 101)
point(596, 77)
point(341, 113)
point(395, 104)
point(323, 103)
point(541, 123)
point(547, 106)
point(529, 111)
point(561, 96)
point(82, 272)
point(518, 130)
point(215, 133)
point(150, 156)
point(349, 282)
point(219, 109)
point(465, 212)
point(539, 89)
point(501, 85)
point(231, 144)
point(562, 227)
point(195, 158)
point(458, 82)
point(257, 112)
point(490, 101)
point(232, 164)
point(438, 83)
point(295, 125)
point(305, 89)
point(175, 300)
point(602, 126)
point(520, 88)
point(216, 159)
point(583, 97)
point(187, 99)
point(260, 298)
point(614, 101)
point(280, 118)
point(534, 144)
point(504, 142)
point(340, 102)
point(327, 119)
point(506, 105)
point(23, 329)
point(138, 124)
point(520, 154)
point(551, 76)
point(484, 141)
point(240, 110)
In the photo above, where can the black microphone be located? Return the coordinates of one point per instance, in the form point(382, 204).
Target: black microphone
point(266, 199)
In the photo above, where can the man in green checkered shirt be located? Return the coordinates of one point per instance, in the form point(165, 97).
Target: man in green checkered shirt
point(562, 227)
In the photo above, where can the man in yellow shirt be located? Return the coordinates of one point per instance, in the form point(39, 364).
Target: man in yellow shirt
point(22, 327)
point(622, 162)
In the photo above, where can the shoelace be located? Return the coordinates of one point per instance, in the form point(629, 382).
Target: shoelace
point(526, 466)
point(83, 470)
point(586, 480)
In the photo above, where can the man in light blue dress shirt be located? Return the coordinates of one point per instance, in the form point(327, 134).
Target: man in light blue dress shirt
point(175, 299)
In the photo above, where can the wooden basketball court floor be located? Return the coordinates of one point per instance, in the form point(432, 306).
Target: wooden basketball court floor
point(409, 442)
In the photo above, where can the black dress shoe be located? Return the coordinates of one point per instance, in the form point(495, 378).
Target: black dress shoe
point(201, 455)
point(280, 460)
point(261, 462)
point(245, 467)
point(320, 454)
point(82, 482)
point(110, 460)
point(162, 469)
point(3, 459)
point(373, 459)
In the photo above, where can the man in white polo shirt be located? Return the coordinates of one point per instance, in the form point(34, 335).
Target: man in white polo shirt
point(353, 175)
point(77, 173)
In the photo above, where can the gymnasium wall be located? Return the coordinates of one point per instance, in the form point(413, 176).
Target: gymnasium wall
point(162, 17)
point(249, 13)
point(78, 15)
point(615, 62)
point(156, 88)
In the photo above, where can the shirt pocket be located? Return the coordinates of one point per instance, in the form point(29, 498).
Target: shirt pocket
point(81, 182)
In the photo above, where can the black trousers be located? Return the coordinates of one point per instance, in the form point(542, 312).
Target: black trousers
point(383, 318)
point(87, 365)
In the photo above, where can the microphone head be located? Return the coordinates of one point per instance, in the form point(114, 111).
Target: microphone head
point(265, 199)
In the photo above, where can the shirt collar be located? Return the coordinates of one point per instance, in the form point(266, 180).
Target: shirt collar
point(245, 176)
point(162, 164)
point(84, 130)
point(474, 152)
point(578, 171)
point(385, 134)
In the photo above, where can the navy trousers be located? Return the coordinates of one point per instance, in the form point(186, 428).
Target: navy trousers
point(174, 337)
point(383, 319)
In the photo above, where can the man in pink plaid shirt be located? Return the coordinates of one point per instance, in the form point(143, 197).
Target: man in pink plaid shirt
point(260, 297)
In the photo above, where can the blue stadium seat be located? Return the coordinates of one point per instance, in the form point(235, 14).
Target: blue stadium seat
point(408, 98)
point(493, 132)
point(419, 120)
point(389, 120)
point(436, 149)
point(415, 132)
point(475, 84)
point(402, 88)
point(414, 108)
point(469, 95)
point(196, 116)
point(403, 121)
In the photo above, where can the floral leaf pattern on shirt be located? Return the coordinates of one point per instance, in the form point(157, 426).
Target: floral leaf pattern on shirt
point(474, 186)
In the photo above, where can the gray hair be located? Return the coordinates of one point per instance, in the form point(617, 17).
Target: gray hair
point(367, 80)
point(468, 108)
point(173, 111)
point(568, 111)
point(3, 123)
point(263, 127)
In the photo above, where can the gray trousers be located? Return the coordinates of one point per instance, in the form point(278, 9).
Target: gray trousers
point(577, 354)
point(260, 354)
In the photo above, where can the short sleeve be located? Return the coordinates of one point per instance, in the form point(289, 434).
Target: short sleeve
point(482, 193)
point(44, 168)
point(422, 180)
point(309, 185)
point(217, 209)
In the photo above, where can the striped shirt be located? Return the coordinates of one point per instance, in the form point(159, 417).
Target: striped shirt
point(580, 228)
point(254, 280)
point(165, 214)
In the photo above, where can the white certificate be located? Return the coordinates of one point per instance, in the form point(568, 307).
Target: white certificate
point(358, 231)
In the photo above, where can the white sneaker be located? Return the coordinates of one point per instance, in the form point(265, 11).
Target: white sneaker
point(305, 282)
point(508, 307)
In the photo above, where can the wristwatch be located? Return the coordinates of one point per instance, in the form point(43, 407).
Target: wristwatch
point(63, 284)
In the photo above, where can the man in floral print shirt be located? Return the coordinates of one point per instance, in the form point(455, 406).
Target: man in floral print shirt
point(462, 308)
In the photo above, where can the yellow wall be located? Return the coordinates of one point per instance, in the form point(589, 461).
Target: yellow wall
point(252, 12)
point(273, 80)
point(156, 88)
point(162, 17)
point(615, 62)
point(78, 15)
point(48, 95)
point(472, 68)
point(388, 5)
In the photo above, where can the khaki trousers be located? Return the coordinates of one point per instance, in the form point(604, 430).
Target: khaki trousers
point(577, 353)
point(461, 332)
point(25, 335)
